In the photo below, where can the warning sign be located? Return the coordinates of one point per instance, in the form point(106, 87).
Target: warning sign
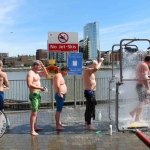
point(63, 37)
point(62, 42)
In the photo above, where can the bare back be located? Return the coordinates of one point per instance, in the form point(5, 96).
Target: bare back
point(59, 84)
point(142, 72)
point(89, 80)
point(34, 80)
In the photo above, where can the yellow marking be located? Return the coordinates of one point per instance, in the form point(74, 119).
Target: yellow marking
point(133, 125)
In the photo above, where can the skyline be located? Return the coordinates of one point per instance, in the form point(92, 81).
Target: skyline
point(24, 24)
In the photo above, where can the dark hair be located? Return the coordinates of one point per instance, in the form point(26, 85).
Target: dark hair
point(64, 68)
point(147, 58)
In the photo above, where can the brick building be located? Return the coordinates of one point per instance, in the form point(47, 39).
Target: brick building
point(42, 55)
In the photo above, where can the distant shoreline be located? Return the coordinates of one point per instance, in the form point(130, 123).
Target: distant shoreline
point(27, 69)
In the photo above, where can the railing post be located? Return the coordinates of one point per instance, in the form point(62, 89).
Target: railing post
point(82, 93)
point(117, 103)
point(74, 91)
point(109, 98)
point(117, 92)
point(52, 94)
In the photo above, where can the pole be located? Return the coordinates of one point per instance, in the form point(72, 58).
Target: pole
point(74, 91)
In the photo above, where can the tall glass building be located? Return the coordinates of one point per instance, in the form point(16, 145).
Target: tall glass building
point(91, 31)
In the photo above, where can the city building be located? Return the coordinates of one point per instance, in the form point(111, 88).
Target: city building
point(21, 60)
point(84, 46)
point(91, 40)
point(42, 54)
point(107, 55)
point(60, 57)
point(2, 55)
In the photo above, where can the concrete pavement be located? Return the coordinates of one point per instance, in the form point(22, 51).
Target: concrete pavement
point(74, 137)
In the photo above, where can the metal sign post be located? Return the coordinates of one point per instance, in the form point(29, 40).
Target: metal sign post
point(75, 66)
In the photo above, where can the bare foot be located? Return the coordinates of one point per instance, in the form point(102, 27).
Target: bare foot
point(140, 121)
point(38, 129)
point(131, 114)
point(90, 127)
point(63, 125)
point(34, 133)
point(59, 128)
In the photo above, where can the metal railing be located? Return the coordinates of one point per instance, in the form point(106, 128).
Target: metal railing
point(18, 92)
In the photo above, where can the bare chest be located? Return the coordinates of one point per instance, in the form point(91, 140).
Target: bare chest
point(36, 78)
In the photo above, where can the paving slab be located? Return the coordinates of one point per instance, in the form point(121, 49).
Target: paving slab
point(74, 137)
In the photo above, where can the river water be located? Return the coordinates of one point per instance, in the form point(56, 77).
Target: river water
point(22, 75)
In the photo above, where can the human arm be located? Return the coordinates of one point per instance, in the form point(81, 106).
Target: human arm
point(5, 83)
point(96, 67)
point(44, 71)
point(5, 88)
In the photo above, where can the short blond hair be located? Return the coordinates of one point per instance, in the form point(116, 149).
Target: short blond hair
point(94, 62)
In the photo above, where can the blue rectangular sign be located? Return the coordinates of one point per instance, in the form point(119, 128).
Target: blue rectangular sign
point(75, 63)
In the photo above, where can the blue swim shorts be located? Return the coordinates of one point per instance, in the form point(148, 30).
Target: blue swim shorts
point(1, 100)
point(59, 102)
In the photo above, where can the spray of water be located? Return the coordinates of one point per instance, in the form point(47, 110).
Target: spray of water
point(128, 97)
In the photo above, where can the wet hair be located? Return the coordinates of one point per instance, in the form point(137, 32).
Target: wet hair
point(93, 62)
point(1, 63)
point(64, 68)
point(147, 58)
point(35, 62)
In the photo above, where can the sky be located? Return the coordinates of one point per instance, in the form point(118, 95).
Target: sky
point(24, 24)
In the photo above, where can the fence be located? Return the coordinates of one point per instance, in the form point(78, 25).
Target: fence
point(17, 95)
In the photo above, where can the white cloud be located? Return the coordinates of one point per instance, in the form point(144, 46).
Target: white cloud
point(114, 34)
point(132, 26)
point(6, 8)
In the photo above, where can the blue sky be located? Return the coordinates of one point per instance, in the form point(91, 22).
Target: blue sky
point(31, 20)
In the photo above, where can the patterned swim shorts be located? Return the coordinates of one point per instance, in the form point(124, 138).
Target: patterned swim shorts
point(35, 100)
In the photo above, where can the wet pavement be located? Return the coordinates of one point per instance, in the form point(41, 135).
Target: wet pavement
point(74, 137)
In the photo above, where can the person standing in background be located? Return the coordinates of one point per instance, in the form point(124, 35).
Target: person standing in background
point(89, 92)
point(60, 95)
point(35, 88)
point(3, 85)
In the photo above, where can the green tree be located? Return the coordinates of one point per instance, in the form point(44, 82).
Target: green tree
point(9, 65)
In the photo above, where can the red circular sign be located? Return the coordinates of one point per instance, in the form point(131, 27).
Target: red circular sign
point(63, 37)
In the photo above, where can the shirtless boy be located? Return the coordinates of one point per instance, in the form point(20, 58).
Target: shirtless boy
point(61, 90)
point(89, 92)
point(142, 88)
point(35, 88)
point(3, 85)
